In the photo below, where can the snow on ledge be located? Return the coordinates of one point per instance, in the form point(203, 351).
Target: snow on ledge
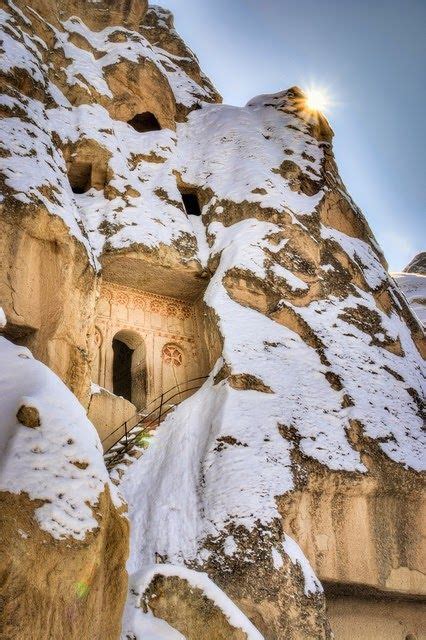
point(296, 555)
point(141, 580)
point(96, 389)
point(145, 626)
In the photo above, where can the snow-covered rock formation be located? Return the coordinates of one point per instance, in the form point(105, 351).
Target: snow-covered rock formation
point(412, 281)
point(304, 445)
point(417, 264)
point(63, 540)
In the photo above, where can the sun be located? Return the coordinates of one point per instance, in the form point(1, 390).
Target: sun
point(317, 99)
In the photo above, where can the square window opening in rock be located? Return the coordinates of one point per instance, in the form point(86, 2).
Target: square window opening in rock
point(191, 203)
point(80, 176)
point(144, 122)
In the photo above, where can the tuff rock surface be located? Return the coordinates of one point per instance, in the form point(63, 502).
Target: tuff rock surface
point(305, 443)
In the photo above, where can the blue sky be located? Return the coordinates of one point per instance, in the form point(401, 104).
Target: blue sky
point(371, 57)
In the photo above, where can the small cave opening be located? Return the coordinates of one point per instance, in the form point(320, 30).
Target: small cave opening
point(80, 176)
point(191, 203)
point(144, 122)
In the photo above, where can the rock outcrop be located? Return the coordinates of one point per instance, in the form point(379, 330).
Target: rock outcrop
point(63, 538)
point(120, 166)
point(412, 281)
point(417, 264)
point(189, 600)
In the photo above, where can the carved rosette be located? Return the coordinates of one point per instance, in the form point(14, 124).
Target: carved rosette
point(172, 355)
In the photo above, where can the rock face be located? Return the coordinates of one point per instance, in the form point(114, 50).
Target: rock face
point(120, 168)
point(310, 423)
point(107, 412)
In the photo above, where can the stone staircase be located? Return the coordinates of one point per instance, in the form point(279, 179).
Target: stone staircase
point(134, 434)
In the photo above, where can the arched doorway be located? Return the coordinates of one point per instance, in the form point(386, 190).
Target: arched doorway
point(129, 377)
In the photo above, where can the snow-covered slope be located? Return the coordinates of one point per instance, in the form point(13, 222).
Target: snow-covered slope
point(237, 483)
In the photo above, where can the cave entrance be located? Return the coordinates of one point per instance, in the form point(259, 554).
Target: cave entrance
point(122, 369)
point(144, 122)
point(80, 176)
point(191, 203)
point(129, 367)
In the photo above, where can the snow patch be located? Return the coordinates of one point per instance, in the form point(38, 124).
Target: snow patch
point(296, 555)
point(229, 546)
point(277, 559)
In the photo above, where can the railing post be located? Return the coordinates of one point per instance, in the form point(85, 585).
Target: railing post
point(161, 408)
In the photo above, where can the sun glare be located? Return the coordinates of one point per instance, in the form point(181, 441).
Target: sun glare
point(317, 100)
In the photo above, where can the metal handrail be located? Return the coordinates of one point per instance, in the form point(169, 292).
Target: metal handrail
point(140, 418)
point(129, 441)
point(162, 413)
point(176, 386)
point(162, 399)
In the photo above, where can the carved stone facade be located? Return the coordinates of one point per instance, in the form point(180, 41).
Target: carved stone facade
point(162, 332)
